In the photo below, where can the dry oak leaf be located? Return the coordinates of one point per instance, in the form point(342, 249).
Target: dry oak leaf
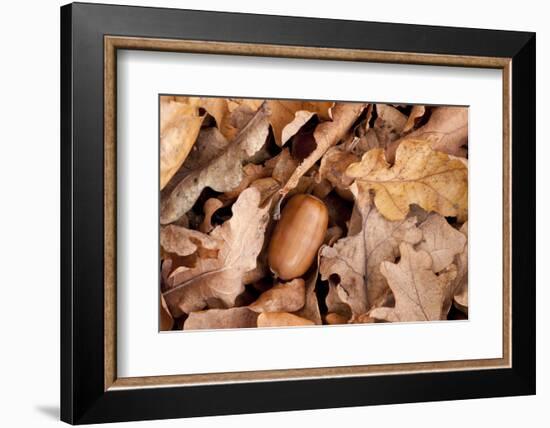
point(180, 124)
point(221, 318)
point(251, 172)
point(183, 242)
point(431, 179)
point(166, 320)
point(281, 319)
point(461, 282)
point(420, 294)
point(389, 124)
point(210, 207)
point(442, 241)
point(287, 117)
point(415, 115)
point(283, 297)
point(381, 240)
point(446, 130)
point(334, 164)
point(221, 174)
point(311, 311)
point(242, 238)
point(343, 265)
point(241, 111)
point(326, 135)
point(333, 318)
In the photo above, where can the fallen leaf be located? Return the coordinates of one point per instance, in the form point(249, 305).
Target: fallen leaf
point(333, 234)
point(441, 241)
point(241, 111)
point(389, 124)
point(287, 117)
point(210, 207)
point(180, 124)
point(343, 265)
point(281, 319)
point(221, 318)
point(310, 311)
point(333, 318)
point(420, 294)
point(416, 114)
point(460, 285)
point(446, 130)
point(364, 319)
point(166, 320)
point(242, 238)
point(251, 172)
point(326, 134)
point(283, 297)
point(221, 174)
point(183, 242)
point(334, 164)
point(381, 240)
point(420, 175)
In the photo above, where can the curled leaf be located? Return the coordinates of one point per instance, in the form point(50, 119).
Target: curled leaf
point(326, 134)
point(288, 116)
point(210, 207)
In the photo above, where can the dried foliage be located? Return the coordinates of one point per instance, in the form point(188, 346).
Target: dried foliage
point(392, 178)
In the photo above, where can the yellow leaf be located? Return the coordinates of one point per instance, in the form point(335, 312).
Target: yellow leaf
point(431, 179)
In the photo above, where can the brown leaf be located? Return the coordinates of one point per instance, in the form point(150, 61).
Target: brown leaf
point(420, 294)
point(333, 318)
point(310, 311)
point(460, 285)
point(326, 134)
point(416, 114)
point(251, 172)
point(441, 241)
point(281, 319)
point(389, 124)
point(221, 318)
point(283, 166)
point(283, 297)
point(221, 174)
point(381, 239)
point(267, 187)
point(343, 265)
point(334, 164)
point(183, 242)
point(180, 124)
point(241, 111)
point(446, 130)
point(287, 117)
point(166, 320)
point(221, 278)
point(420, 175)
point(210, 207)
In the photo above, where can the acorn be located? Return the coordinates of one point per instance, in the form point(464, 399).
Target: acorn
point(297, 236)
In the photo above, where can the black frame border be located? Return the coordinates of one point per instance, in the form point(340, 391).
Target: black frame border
point(83, 399)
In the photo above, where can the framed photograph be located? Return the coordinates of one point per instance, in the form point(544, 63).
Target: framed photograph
point(266, 213)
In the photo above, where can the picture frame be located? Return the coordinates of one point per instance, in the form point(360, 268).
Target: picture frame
point(91, 35)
